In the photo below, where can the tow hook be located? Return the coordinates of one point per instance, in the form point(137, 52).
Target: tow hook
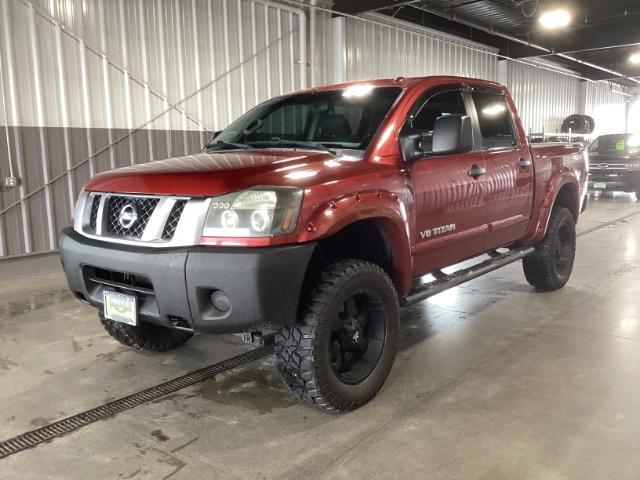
point(258, 339)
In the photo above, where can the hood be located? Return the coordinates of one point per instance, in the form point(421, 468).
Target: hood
point(207, 174)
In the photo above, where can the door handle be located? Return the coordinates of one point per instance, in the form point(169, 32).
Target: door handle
point(476, 171)
point(524, 163)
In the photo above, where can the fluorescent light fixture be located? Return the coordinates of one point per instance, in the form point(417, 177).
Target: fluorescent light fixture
point(555, 18)
point(357, 90)
point(635, 58)
point(493, 110)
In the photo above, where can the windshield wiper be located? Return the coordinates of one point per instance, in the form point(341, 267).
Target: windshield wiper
point(223, 144)
point(298, 143)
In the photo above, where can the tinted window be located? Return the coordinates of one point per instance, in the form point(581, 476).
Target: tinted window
point(346, 118)
point(439, 105)
point(495, 120)
point(624, 143)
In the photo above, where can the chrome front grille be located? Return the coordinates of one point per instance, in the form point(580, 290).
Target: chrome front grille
point(142, 207)
point(174, 218)
point(152, 220)
point(95, 205)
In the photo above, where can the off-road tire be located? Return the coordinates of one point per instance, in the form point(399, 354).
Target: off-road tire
point(146, 336)
point(303, 352)
point(542, 268)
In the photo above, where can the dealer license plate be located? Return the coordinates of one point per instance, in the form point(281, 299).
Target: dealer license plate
point(599, 185)
point(120, 307)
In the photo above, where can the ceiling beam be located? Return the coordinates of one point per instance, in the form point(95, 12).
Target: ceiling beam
point(354, 7)
point(587, 68)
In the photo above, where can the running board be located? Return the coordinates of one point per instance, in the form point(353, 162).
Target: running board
point(444, 281)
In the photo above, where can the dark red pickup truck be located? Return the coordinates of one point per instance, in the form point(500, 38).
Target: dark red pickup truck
point(315, 215)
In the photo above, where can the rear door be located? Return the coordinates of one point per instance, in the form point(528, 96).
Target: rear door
point(509, 181)
point(450, 219)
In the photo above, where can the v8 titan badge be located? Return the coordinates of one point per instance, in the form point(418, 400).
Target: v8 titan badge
point(435, 231)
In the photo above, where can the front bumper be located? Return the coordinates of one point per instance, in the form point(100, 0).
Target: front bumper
point(614, 180)
point(174, 285)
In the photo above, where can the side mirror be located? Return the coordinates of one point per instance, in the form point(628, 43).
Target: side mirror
point(412, 144)
point(452, 134)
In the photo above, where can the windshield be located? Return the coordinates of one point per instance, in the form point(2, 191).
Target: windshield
point(346, 118)
point(623, 143)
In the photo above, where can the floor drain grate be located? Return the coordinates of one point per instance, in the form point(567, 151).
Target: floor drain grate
point(69, 424)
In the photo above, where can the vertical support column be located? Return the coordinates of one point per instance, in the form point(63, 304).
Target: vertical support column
point(126, 80)
point(107, 85)
point(290, 35)
point(302, 33)
point(254, 53)
point(227, 62)
point(44, 153)
point(313, 61)
point(145, 76)
point(160, 5)
point(503, 72)
point(338, 26)
point(178, 17)
point(86, 107)
point(64, 113)
point(196, 62)
point(15, 121)
point(243, 92)
point(267, 41)
point(582, 97)
point(280, 54)
point(212, 66)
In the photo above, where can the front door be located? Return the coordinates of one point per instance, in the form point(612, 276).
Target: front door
point(508, 182)
point(450, 219)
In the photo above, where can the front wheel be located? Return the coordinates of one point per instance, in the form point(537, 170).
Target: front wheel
point(341, 353)
point(550, 266)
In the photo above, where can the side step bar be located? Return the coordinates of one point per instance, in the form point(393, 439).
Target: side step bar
point(445, 281)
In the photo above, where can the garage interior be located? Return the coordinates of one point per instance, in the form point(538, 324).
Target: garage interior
point(492, 379)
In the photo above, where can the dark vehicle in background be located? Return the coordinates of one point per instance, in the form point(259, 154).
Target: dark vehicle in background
point(615, 163)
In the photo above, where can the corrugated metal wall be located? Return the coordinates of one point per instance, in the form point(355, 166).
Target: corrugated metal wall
point(607, 104)
point(89, 85)
point(544, 98)
point(380, 47)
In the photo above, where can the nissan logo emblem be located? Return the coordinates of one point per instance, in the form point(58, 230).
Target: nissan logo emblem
point(128, 215)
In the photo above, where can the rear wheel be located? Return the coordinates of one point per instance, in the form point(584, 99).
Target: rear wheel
point(550, 266)
point(145, 336)
point(341, 353)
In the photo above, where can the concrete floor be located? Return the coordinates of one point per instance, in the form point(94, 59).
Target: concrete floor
point(492, 381)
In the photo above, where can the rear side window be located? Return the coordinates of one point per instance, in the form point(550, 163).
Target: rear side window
point(494, 119)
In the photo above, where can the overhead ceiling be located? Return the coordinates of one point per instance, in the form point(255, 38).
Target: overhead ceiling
point(597, 44)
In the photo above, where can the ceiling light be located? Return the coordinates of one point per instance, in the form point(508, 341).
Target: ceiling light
point(492, 110)
point(635, 58)
point(357, 90)
point(555, 18)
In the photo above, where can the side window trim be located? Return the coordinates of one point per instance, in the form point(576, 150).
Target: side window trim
point(514, 133)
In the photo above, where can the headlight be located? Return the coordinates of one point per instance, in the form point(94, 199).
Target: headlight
point(258, 212)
